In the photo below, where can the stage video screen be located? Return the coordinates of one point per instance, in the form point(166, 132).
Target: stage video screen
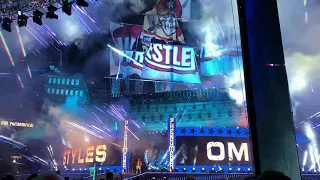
point(103, 154)
point(176, 45)
point(152, 152)
point(105, 97)
point(213, 151)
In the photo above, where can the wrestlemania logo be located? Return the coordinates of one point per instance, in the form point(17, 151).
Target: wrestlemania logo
point(156, 158)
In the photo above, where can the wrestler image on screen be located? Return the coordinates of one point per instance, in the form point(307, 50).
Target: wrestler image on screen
point(162, 23)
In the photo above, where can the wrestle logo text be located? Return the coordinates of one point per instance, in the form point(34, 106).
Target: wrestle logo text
point(171, 58)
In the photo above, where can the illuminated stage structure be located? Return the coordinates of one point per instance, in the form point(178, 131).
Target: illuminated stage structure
point(219, 149)
point(176, 94)
point(207, 115)
point(215, 149)
point(172, 143)
point(125, 151)
point(210, 132)
point(59, 87)
point(173, 90)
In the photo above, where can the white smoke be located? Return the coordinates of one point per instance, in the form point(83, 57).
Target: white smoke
point(300, 35)
point(137, 6)
point(301, 71)
point(220, 28)
point(219, 18)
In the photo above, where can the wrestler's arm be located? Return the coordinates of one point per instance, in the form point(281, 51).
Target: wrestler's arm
point(148, 29)
point(181, 39)
point(180, 36)
point(150, 20)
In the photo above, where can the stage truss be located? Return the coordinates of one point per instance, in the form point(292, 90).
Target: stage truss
point(10, 8)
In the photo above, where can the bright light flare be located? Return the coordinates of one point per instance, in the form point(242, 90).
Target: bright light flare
point(100, 130)
point(312, 157)
point(212, 49)
point(40, 160)
point(309, 132)
point(121, 54)
point(13, 141)
point(85, 129)
point(133, 134)
point(21, 42)
point(237, 95)
point(29, 71)
point(116, 113)
point(236, 87)
point(298, 84)
point(305, 157)
point(237, 77)
point(72, 29)
point(6, 48)
point(86, 139)
point(20, 81)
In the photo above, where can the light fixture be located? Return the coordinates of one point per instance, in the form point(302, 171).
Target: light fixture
point(221, 170)
point(203, 170)
point(51, 14)
point(193, 169)
point(82, 3)
point(86, 139)
point(37, 17)
point(66, 7)
point(6, 25)
point(22, 19)
point(212, 170)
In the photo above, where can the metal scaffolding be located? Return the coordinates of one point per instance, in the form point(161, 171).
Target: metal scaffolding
point(10, 8)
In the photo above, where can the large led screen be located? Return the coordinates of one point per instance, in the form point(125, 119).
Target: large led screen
point(152, 152)
point(137, 61)
point(213, 151)
point(101, 155)
point(177, 45)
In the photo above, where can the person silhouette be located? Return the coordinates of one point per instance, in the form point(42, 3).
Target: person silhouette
point(138, 166)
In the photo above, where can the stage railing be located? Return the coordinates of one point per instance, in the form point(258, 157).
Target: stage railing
point(175, 96)
point(310, 176)
point(166, 176)
point(184, 176)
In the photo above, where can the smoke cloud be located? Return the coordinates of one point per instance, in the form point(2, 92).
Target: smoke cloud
point(300, 28)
